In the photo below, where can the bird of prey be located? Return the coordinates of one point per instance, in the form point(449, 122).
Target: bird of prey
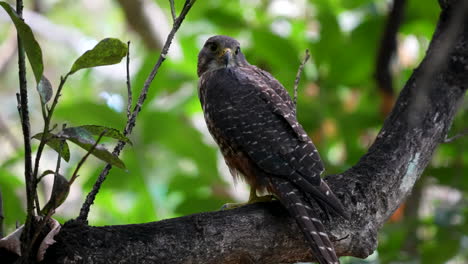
point(253, 120)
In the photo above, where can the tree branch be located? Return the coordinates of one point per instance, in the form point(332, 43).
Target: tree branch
point(457, 136)
point(129, 85)
point(371, 190)
point(131, 121)
point(30, 181)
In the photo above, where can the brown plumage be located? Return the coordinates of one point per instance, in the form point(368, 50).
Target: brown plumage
point(252, 118)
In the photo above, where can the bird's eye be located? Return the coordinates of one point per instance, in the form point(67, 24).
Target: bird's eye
point(237, 50)
point(213, 47)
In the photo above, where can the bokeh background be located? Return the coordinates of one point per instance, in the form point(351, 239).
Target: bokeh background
point(174, 167)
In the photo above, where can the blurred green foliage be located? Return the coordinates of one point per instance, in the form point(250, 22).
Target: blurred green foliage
point(173, 167)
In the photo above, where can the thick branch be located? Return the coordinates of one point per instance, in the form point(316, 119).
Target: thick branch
point(132, 119)
point(371, 190)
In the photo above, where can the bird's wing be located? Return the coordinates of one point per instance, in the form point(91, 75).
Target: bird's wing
point(275, 85)
point(254, 118)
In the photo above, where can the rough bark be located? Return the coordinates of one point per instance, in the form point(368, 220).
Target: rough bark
point(371, 190)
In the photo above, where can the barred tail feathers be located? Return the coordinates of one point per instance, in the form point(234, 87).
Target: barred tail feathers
point(322, 194)
point(312, 228)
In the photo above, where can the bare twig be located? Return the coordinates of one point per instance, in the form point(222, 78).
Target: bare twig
point(47, 118)
point(45, 173)
point(457, 136)
point(25, 125)
point(173, 13)
point(41, 225)
point(129, 85)
point(82, 161)
point(49, 213)
point(131, 122)
point(18, 105)
point(298, 76)
point(59, 159)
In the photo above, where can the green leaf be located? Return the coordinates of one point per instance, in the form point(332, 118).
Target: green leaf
point(56, 143)
point(98, 130)
point(45, 90)
point(84, 139)
point(108, 51)
point(32, 48)
point(59, 194)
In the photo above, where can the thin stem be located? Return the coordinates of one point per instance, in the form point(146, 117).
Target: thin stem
point(459, 135)
point(83, 159)
point(45, 131)
point(173, 13)
point(45, 173)
point(25, 125)
point(64, 191)
point(129, 86)
point(298, 77)
point(131, 122)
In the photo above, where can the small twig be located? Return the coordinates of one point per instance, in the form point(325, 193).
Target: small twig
point(25, 125)
point(82, 161)
point(457, 136)
point(298, 76)
point(83, 216)
point(56, 181)
point(45, 173)
point(129, 86)
point(45, 131)
point(41, 225)
point(18, 105)
point(173, 13)
point(59, 159)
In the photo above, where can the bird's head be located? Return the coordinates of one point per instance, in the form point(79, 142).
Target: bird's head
point(220, 52)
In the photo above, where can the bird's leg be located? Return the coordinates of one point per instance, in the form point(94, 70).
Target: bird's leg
point(253, 198)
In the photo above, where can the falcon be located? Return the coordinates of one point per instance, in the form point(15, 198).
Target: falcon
point(253, 120)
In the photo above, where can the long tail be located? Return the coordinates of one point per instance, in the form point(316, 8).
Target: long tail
point(292, 198)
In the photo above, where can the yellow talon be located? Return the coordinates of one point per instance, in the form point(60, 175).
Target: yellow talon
point(253, 198)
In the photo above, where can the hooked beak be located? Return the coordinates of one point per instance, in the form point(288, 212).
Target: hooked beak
point(226, 56)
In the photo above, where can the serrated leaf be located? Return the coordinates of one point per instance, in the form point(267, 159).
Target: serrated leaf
point(57, 144)
point(108, 51)
point(32, 48)
point(98, 130)
point(45, 90)
point(84, 139)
